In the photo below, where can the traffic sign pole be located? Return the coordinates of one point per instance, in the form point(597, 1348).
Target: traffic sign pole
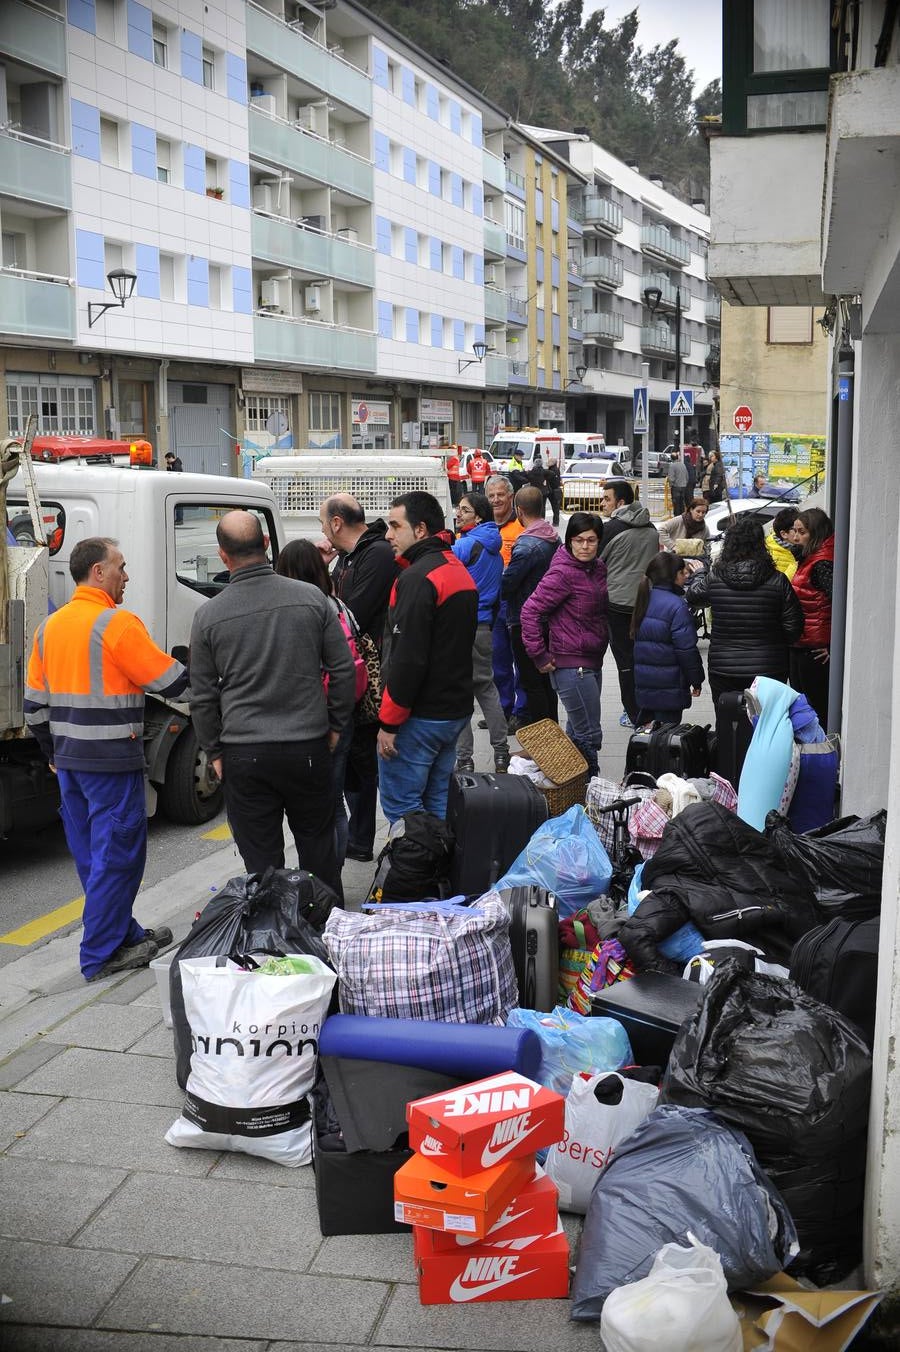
point(743, 421)
point(645, 454)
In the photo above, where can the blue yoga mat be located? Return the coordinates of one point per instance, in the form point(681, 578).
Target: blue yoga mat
point(470, 1050)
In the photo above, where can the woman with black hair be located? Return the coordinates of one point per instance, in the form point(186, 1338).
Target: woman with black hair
point(812, 583)
point(755, 614)
point(668, 671)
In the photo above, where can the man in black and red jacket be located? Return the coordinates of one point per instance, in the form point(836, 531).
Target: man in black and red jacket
point(426, 663)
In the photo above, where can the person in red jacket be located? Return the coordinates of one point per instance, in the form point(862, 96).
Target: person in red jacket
point(813, 580)
point(479, 469)
point(455, 477)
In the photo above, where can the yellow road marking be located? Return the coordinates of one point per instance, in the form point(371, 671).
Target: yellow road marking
point(218, 833)
point(45, 924)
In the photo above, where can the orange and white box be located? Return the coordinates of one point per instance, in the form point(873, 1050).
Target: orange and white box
point(532, 1267)
point(426, 1194)
point(479, 1125)
point(533, 1211)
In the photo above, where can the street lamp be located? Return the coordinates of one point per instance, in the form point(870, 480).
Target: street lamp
point(121, 283)
point(652, 298)
point(479, 349)
point(580, 373)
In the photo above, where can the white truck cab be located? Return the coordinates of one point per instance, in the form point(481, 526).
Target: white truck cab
point(531, 443)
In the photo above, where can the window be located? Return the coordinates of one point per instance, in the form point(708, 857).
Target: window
point(260, 407)
point(197, 562)
point(515, 224)
point(105, 19)
point(468, 416)
point(163, 160)
point(790, 324)
point(109, 142)
point(194, 394)
point(63, 404)
point(777, 61)
point(209, 69)
point(160, 45)
point(166, 277)
point(215, 287)
point(324, 411)
point(113, 256)
point(14, 249)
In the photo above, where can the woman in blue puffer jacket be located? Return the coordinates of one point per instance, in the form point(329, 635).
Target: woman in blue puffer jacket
point(565, 630)
point(668, 670)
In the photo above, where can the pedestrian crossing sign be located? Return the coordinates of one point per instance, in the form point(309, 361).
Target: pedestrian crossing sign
point(640, 410)
point(681, 403)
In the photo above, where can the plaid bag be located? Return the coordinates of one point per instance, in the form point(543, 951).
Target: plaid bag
point(429, 960)
point(646, 826)
point(600, 793)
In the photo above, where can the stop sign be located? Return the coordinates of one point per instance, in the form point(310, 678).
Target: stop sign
point(743, 418)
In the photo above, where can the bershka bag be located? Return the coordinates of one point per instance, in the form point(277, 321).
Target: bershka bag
point(601, 1110)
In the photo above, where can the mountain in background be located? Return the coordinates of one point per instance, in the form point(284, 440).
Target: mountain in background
point(550, 67)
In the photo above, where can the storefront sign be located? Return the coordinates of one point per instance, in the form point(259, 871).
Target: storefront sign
point(551, 412)
point(436, 410)
point(370, 412)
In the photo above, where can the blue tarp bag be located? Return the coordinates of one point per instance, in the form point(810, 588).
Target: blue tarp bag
point(572, 1043)
point(565, 857)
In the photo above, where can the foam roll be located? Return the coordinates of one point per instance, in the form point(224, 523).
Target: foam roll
point(469, 1050)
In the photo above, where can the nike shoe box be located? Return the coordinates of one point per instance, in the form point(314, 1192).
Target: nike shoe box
point(426, 1194)
point(479, 1125)
point(532, 1267)
point(534, 1211)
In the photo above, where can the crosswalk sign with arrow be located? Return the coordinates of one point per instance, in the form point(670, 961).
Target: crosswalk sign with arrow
point(640, 410)
point(681, 403)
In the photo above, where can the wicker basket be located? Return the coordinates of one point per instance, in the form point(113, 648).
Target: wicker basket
point(556, 756)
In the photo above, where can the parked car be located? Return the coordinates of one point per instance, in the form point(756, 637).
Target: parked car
point(583, 483)
point(720, 513)
point(657, 464)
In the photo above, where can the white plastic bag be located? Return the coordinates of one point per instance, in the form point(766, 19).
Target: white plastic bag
point(682, 1305)
point(255, 1041)
point(595, 1124)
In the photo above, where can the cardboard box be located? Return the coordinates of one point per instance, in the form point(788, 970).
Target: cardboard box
point(479, 1125)
point(533, 1267)
point(782, 1316)
point(425, 1194)
point(533, 1211)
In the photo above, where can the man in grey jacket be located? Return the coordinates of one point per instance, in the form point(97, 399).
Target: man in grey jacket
point(629, 541)
point(262, 714)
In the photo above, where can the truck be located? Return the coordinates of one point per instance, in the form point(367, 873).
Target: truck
point(165, 525)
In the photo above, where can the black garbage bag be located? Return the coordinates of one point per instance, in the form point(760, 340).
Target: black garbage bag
point(681, 1170)
point(415, 862)
point(279, 911)
point(843, 861)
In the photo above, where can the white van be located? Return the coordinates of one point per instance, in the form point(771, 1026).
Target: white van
point(583, 445)
point(530, 442)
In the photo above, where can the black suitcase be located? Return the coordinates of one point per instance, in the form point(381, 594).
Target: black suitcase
point(534, 936)
point(492, 817)
point(651, 1007)
point(681, 750)
point(733, 735)
point(837, 963)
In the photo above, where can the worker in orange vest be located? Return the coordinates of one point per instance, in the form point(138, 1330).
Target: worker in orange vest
point(455, 476)
point(479, 469)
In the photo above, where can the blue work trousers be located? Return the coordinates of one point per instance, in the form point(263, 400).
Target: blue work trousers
point(418, 777)
point(105, 820)
point(506, 676)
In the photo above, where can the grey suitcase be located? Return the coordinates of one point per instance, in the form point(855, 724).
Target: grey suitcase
point(534, 935)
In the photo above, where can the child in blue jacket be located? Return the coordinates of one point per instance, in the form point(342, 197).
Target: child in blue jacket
point(668, 670)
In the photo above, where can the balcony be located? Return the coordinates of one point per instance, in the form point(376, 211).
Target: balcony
point(281, 143)
point(602, 214)
point(299, 342)
point(714, 310)
point(281, 241)
point(494, 305)
point(666, 286)
point(493, 170)
point(35, 171)
point(659, 340)
point(515, 180)
point(576, 323)
point(603, 328)
point(496, 369)
point(519, 366)
point(36, 307)
point(494, 239)
point(656, 240)
point(602, 271)
point(34, 36)
point(289, 50)
point(516, 308)
point(575, 210)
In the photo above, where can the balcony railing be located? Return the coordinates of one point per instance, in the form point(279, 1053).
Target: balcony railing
point(656, 239)
point(281, 338)
point(714, 310)
point(575, 210)
point(666, 287)
point(602, 214)
point(602, 327)
point(603, 271)
point(36, 305)
point(36, 171)
point(515, 180)
point(323, 68)
point(660, 339)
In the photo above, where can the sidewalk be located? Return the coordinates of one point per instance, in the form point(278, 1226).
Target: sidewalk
point(113, 1241)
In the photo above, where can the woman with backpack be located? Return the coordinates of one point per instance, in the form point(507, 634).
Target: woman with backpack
point(668, 670)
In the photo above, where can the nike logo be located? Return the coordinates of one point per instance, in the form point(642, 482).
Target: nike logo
point(460, 1291)
point(492, 1154)
point(430, 1146)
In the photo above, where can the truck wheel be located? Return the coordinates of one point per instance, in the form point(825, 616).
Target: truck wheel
point(23, 530)
point(190, 795)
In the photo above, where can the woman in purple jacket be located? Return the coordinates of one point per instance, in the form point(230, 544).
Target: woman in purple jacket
point(564, 630)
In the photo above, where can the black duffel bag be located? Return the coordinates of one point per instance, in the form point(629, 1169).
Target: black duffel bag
point(415, 862)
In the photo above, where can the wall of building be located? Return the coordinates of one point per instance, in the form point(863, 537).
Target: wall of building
point(785, 384)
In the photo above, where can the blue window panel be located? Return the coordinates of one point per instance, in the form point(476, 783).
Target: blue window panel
point(409, 165)
point(434, 178)
point(540, 376)
point(554, 270)
point(140, 30)
point(385, 319)
point(90, 264)
point(540, 325)
point(192, 56)
point(380, 68)
point(455, 117)
point(554, 330)
point(236, 77)
point(408, 86)
point(81, 14)
point(198, 281)
point(458, 263)
point(383, 235)
point(146, 261)
point(410, 245)
point(432, 103)
point(242, 290)
point(538, 205)
point(435, 255)
point(554, 214)
point(477, 200)
point(476, 131)
point(239, 183)
point(86, 132)
point(456, 190)
point(382, 152)
point(539, 265)
point(194, 169)
point(437, 331)
point(143, 150)
point(459, 335)
point(412, 326)
point(478, 269)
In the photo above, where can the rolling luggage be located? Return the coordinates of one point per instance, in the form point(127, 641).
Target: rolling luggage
point(651, 1007)
point(534, 936)
point(837, 963)
point(492, 817)
point(681, 750)
point(733, 734)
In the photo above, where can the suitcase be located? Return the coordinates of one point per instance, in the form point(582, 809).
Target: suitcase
point(837, 963)
point(534, 936)
point(492, 817)
point(733, 735)
point(651, 1007)
point(681, 750)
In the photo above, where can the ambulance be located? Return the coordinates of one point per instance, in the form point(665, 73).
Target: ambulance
point(532, 443)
